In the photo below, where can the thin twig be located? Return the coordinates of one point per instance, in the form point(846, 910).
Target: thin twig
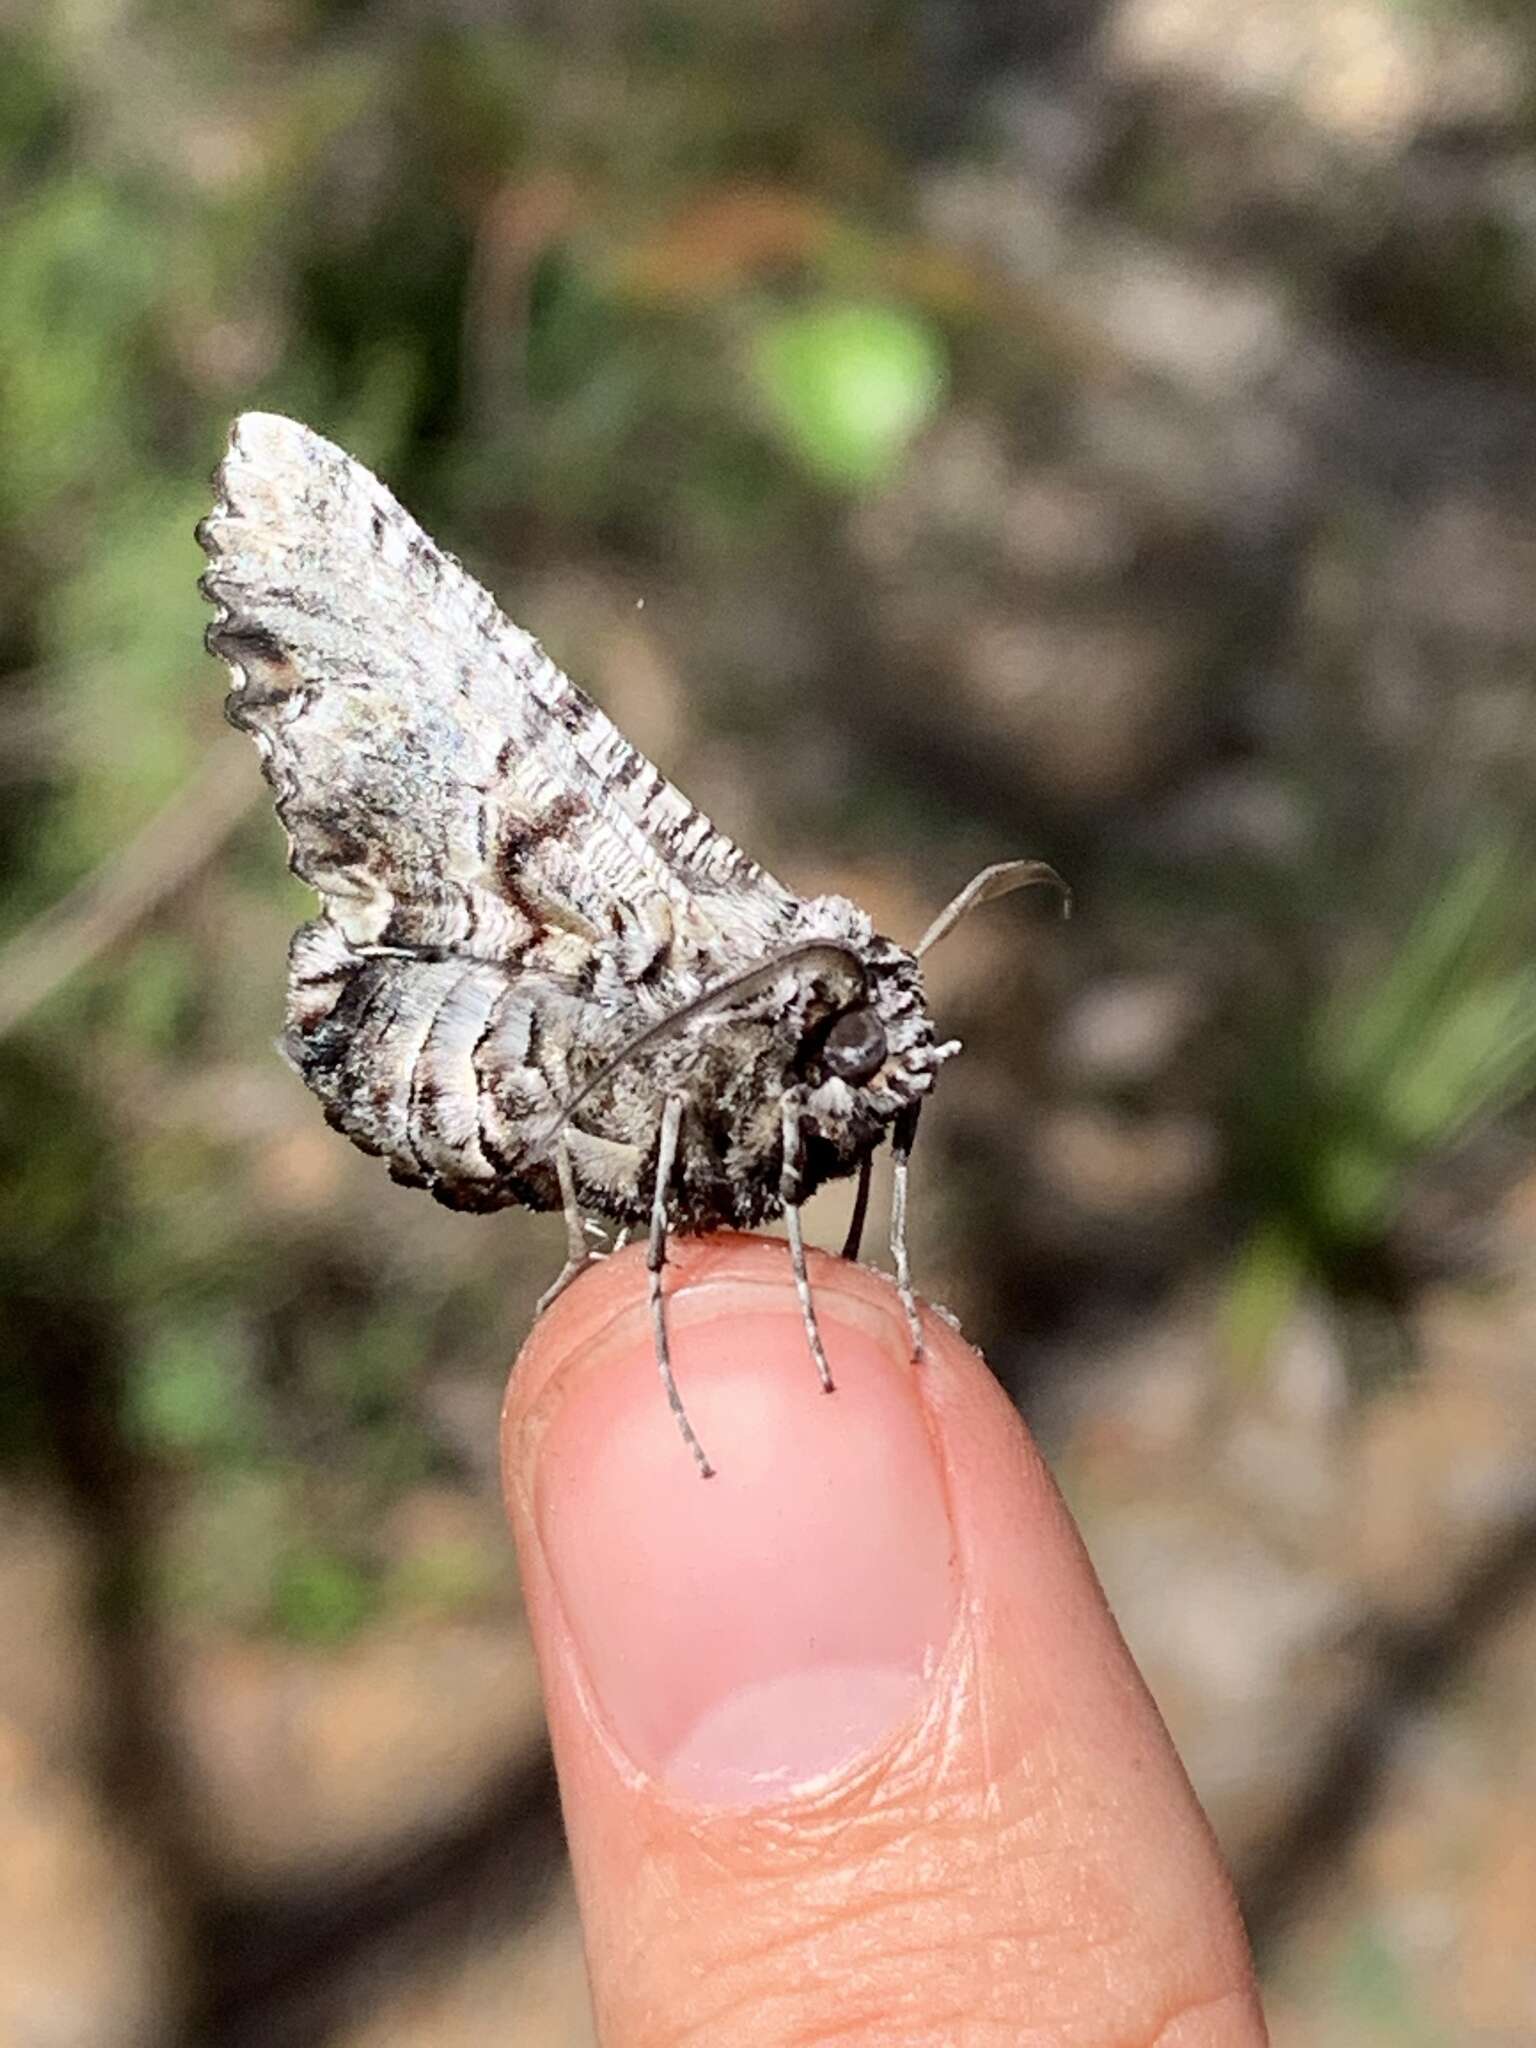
point(100, 911)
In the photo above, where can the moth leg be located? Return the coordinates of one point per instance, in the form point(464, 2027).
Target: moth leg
point(655, 1259)
point(789, 1195)
point(855, 1235)
point(578, 1252)
point(901, 1154)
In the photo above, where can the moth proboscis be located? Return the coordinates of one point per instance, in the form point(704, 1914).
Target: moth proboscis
point(539, 975)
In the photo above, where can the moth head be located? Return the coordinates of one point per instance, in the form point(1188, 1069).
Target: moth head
point(866, 1047)
point(869, 1049)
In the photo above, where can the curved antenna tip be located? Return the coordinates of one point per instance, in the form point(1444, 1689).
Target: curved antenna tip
point(1001, 879)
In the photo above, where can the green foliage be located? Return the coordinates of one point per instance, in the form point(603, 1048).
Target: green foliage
point(321, 1597)
point(1446, 1033)
point(849, 386)
point(220, 1560)
point(188, 1395)
point(446, 1579)
point(155, 1004)
point(79, 270)
point(1377, 1992)
point(1391, 1070)
point(121, 631)
point(32, 116)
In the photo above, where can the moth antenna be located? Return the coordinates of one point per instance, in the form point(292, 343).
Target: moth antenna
point(999, 880)
point(736, 985)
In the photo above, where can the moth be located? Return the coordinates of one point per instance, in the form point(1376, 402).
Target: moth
point(539, 976)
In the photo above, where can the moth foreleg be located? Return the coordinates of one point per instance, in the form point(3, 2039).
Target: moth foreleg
point(578, 1252)
point(901, 1155)
point(855, 1235)
point(790, 1176)
point(655, 1260)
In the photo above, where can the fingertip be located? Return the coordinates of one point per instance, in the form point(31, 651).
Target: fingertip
point(601, 1313)
point(745, 1636)
point(878, 1611)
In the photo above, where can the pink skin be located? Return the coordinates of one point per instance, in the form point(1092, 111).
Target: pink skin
point(771, 1624)
point(849, 1745)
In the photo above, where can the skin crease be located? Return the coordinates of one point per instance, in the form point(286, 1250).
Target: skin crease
point(1016, 1857)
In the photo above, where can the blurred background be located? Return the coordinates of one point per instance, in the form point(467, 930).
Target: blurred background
point(936, 430)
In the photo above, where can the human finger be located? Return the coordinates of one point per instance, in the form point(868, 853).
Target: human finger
point(849, 1745)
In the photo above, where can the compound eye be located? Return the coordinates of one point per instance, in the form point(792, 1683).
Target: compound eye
point(855, 1048)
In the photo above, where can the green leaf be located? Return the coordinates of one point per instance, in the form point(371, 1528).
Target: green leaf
point(321, 1597)
point(849, 386)
point(188, 1395)
point(79, 268)
point(1265, 1284)
point(1388, 1072)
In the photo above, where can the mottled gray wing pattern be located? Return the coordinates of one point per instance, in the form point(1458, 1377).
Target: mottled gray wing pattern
point(445, 787)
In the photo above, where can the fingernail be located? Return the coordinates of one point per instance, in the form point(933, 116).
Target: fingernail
point(746, 1635)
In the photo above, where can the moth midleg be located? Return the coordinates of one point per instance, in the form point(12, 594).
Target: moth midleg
point(855, 1235)
point(790, 1173)
point(578, 1253)
point(655, 1259)
point(901, 1155)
